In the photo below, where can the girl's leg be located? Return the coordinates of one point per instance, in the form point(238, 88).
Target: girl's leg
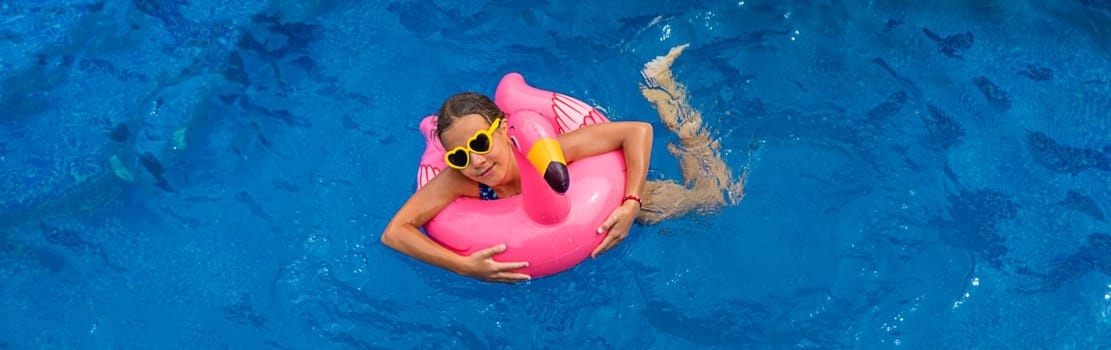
point(708, 182)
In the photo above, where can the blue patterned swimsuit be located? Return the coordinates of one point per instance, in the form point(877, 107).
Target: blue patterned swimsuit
point(486, 193)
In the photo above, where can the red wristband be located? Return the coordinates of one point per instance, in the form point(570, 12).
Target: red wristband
point(640, 204)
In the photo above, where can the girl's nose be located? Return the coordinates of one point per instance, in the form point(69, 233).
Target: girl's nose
point(478, 159)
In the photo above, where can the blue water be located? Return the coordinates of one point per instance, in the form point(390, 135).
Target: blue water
point(199, 175)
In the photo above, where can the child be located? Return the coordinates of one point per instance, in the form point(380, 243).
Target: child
point(494, 173)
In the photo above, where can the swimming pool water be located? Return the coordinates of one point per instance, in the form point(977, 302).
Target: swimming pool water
point(202, 175)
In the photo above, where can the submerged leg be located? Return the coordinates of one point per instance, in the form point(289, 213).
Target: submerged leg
point(708, 182)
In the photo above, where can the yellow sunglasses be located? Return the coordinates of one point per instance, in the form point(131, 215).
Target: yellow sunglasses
point(460, 156)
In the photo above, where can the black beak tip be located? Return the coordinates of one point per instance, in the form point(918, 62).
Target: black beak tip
point(557, 177)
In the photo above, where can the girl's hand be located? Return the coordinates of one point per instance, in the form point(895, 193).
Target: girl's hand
point(617, 226)
point(481, 265)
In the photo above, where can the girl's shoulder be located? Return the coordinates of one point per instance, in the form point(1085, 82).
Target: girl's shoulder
point(452, 182)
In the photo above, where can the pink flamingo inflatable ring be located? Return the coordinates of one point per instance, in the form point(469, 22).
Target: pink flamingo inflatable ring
point(553, 223)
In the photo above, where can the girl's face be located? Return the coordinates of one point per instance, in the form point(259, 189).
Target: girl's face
point(490, 168)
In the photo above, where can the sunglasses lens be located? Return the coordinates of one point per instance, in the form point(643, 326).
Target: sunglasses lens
point(458, 158)
point(480, 144)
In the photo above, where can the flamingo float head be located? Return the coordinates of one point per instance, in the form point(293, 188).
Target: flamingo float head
point(533, 136)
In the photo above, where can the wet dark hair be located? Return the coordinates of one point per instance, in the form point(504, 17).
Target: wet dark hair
point(462, 104)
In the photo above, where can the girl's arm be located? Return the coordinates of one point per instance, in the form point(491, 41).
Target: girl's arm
point(635, 139)
point(403, 233)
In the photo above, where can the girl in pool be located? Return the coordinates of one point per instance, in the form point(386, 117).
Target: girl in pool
point(494, 173)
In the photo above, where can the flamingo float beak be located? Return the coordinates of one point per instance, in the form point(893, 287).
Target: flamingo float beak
point(547, 157)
